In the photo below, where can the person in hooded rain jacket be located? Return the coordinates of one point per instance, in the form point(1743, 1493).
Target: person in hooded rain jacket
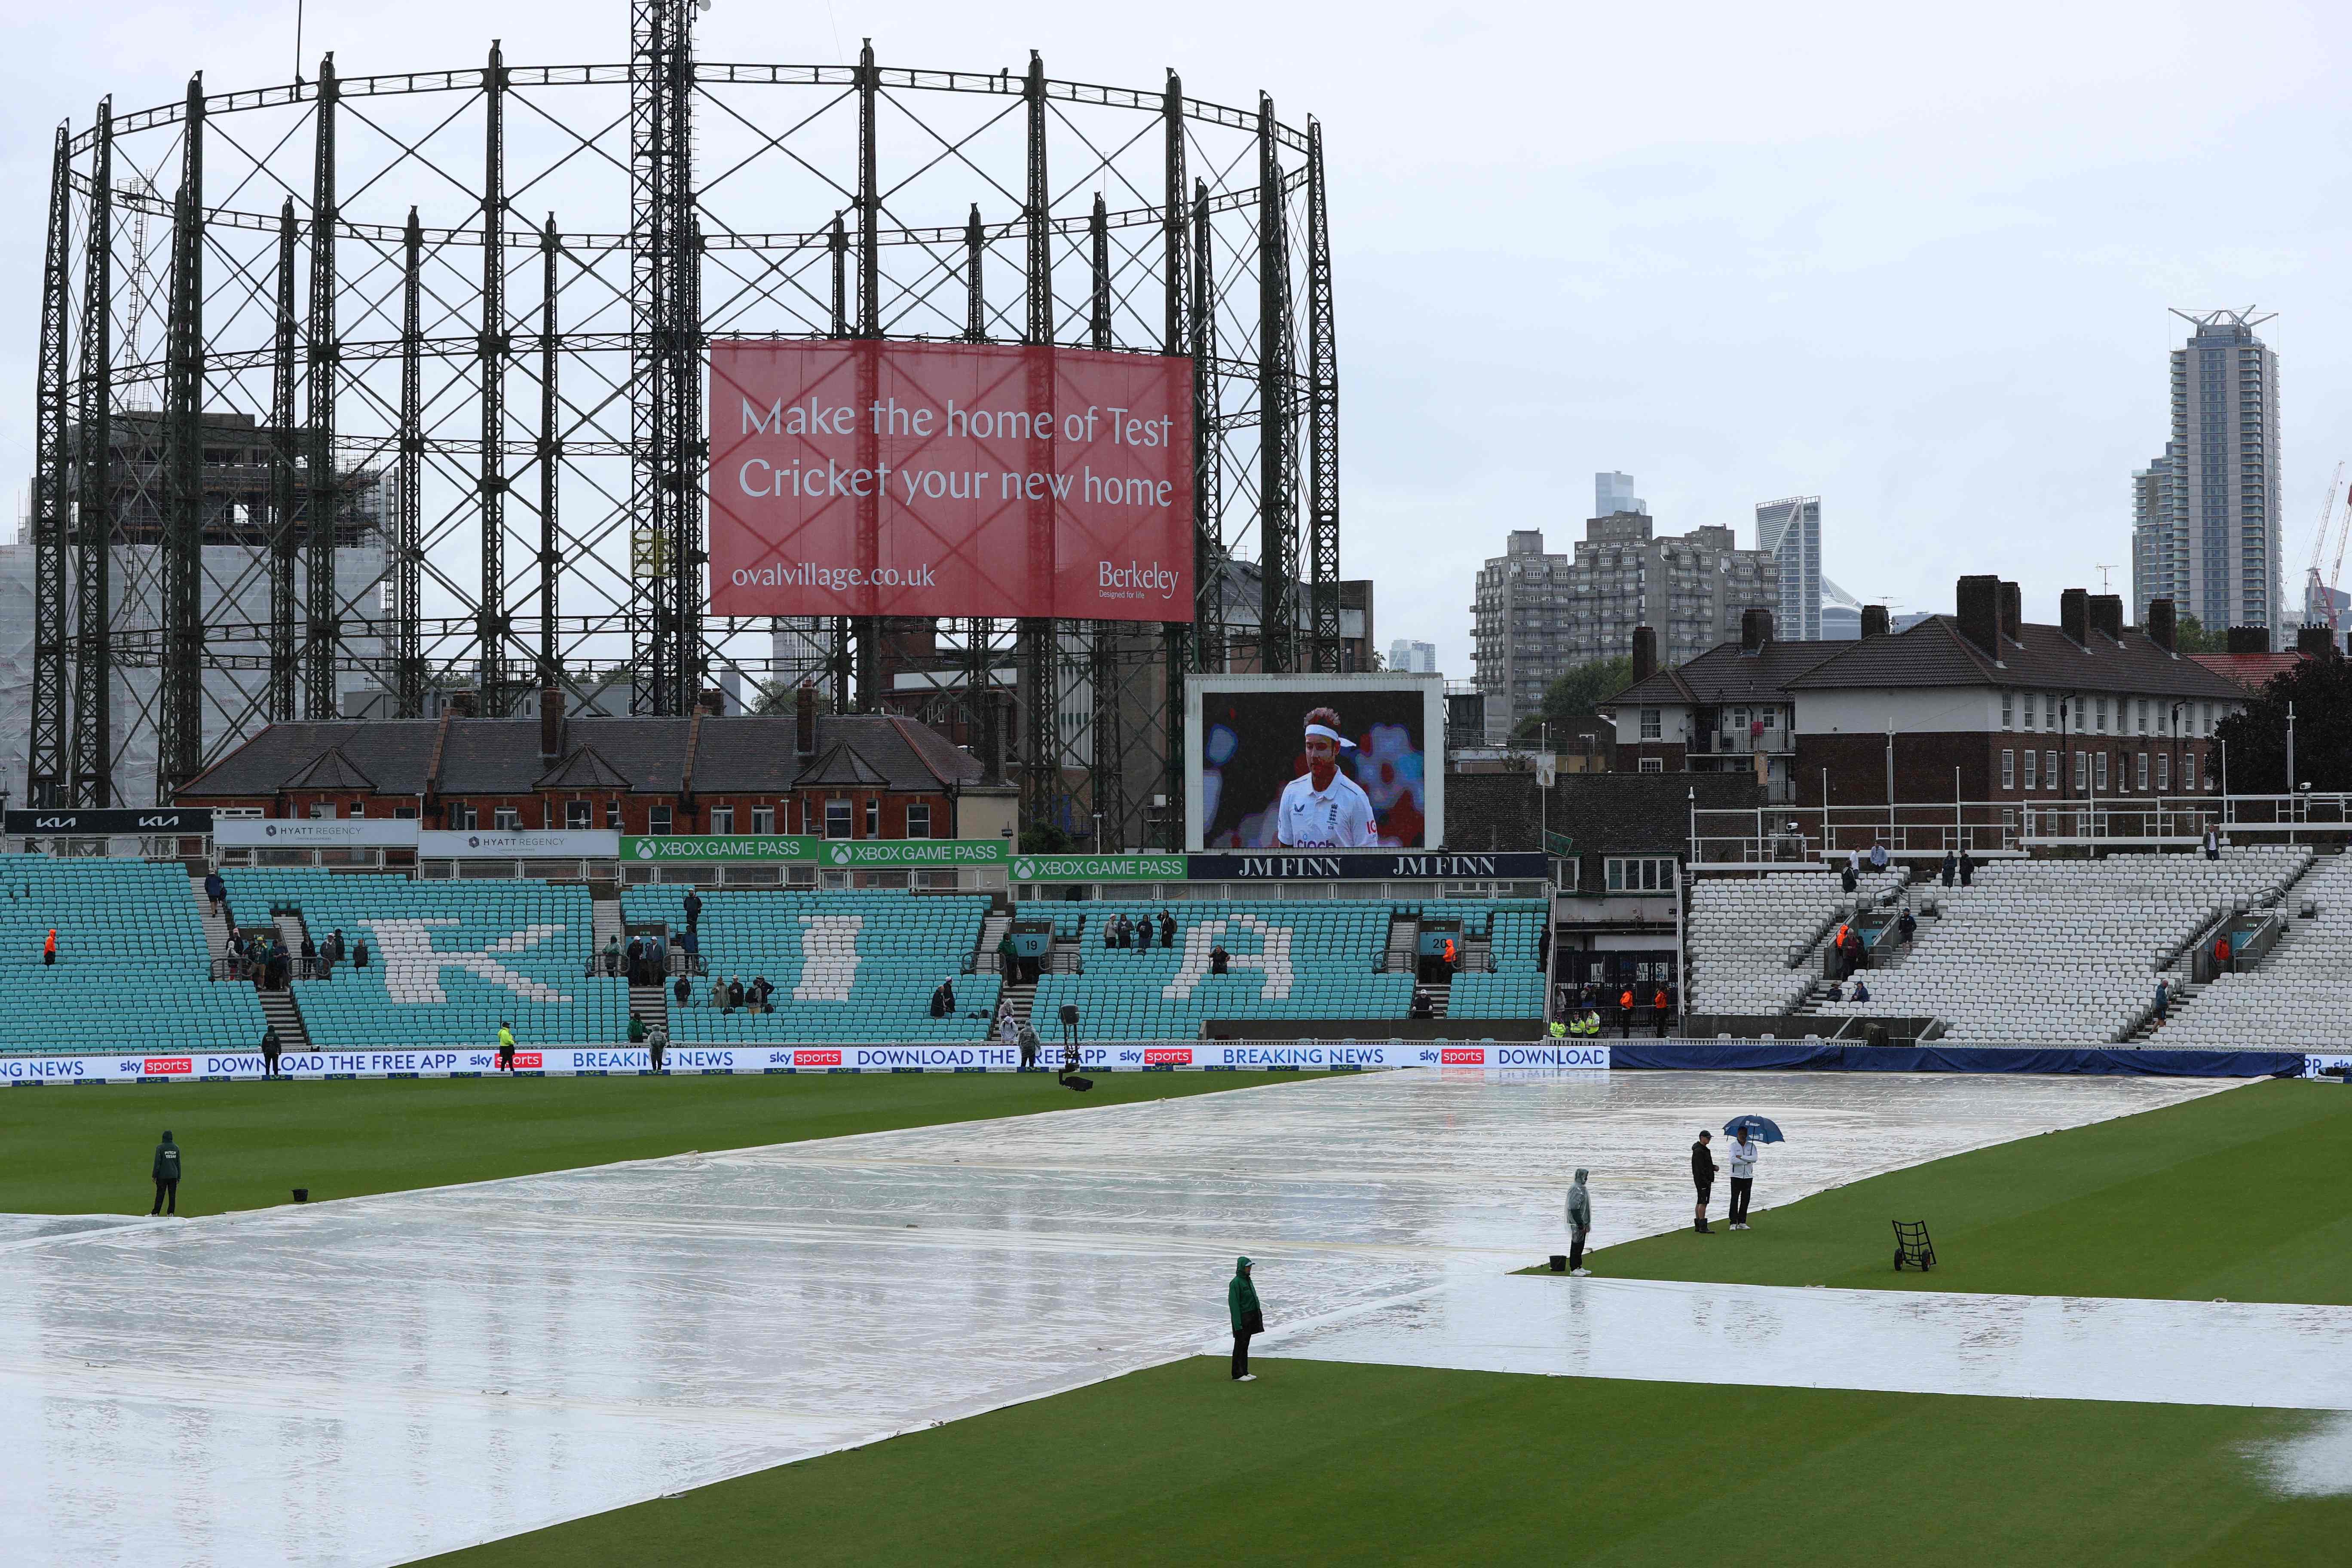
point(1580, 1223)
point(1241, 1302)
point(167, 1179)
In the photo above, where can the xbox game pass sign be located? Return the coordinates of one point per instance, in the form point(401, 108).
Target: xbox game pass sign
point(688, 849)
point(864, 854)
point(1099, 868)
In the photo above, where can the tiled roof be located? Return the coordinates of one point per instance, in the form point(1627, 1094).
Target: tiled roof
point(1935, 652)
point(747, 754)
point(2250, 670)
point(1726, 674)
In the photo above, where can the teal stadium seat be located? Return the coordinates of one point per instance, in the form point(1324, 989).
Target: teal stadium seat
point(131, 971)
point(849, 968)
point(449, 961)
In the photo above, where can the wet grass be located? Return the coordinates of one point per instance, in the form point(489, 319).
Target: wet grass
point(249, 1145)
point(1321, 1462)
point(2232, 1195)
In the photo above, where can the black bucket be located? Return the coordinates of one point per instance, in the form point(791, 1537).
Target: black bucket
point(302, 1194)
point(1559, 1263)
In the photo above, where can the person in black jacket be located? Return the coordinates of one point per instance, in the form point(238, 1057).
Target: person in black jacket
point(1219, 959)
point(1703, 1178)
point(1167, 929)
point(167, 1175)
point(270, 1052)
point(693, 908)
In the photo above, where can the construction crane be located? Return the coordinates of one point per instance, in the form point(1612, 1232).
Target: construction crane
point(2319, 593)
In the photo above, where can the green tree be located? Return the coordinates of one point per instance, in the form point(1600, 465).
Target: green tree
point(2321, 691)
point(2189, 636)
point(1579, 694)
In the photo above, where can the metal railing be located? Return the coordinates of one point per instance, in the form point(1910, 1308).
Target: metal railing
point(1796, 836)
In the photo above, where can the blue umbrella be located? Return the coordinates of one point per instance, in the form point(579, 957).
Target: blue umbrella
point(1763, 1129)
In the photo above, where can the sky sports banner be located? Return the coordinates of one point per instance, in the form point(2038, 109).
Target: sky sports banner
point(864, 477)
point(1236, 1055)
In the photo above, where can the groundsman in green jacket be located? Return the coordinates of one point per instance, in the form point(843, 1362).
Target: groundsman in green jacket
point(1241, 1302)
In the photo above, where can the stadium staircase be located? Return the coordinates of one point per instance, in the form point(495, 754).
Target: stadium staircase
point(215, 924)
point(279, 1009)
point(1404, 936)
point(2304, 949)
point(606, 902)
point(293, 933)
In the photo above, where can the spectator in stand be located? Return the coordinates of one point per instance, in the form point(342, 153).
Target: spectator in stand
point(693, 908)
point(1951, 864)
point(1968, 868)
point(613, 956)
point(2220, 953)
point(1004, 956)
point(49, 949)
point(735, 992)
point(636, 961)
point(761, 991)
point(309, 957)
point(1851, 878)
point(636, 1030)
point(216, 890)
point(1861, 989)
point(2163, 999)
point(1837, 991)
point(1878, 856)
point(2212, 843)
point(1167, 929)
point(1143, 934)
point(1219, 959)
point(689, 946)
point(1111, 934)
point(940, 1005)
point(718, 994)
point(360, 954)
point(685, 991)
point(1909, 927)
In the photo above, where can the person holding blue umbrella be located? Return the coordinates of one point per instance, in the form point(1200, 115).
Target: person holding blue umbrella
point(1749, 1134)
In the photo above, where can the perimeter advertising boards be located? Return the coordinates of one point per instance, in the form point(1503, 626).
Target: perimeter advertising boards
point(892, 479)
point(1315, 761)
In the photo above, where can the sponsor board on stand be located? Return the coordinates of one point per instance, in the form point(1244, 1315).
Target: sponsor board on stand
point(1100, 868)
point(558, 1061)
point(2326, 1064)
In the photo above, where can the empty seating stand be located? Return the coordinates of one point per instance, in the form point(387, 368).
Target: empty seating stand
point(1752, 938)
point(2298, 996)
point(2066, 952)
point(131, 971)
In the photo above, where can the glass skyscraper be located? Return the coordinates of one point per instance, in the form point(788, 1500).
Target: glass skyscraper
point(1791, 530)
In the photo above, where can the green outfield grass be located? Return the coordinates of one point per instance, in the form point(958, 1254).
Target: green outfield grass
point(1321, 1463)
point(88, 1151)
point(2230, 1196)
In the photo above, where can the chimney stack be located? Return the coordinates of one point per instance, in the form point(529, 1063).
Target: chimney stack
point(460, 703)
point(550, 725)
point(1980, 613)
point(1874, 620)
point(2012, 613)
point(2074, 616)
point(2163, 630)
point(805, 722)
point(1645, 652)
point(2314, 642)
point(2107, 615)
point(2249, 639)
point(1755, 630)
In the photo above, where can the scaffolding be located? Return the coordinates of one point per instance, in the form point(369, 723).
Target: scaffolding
point(373, 281)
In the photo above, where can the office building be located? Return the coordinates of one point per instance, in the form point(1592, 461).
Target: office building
point(1409, 657)
point(1614, 493)
point(2205, 531)
point(1791, 530)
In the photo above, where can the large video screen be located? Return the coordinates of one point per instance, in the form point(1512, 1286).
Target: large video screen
point(1315, 761)
point(890, 478)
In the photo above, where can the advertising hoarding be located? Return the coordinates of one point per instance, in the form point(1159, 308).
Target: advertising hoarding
point(519, 844)
point(316, 832)
point(1100, 868)
point(1251, 761)
point(863, 478)
point(689, 848)
point(94, 822)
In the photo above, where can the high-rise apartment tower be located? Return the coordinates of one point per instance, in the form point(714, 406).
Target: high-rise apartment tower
point(2205, 531)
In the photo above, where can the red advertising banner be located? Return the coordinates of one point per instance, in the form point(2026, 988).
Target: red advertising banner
point(886, 479)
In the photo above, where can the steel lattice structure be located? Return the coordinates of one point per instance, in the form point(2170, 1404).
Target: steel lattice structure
point(340, 409)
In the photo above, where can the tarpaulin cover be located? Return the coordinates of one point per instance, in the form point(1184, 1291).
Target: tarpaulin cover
point(1831, 1057)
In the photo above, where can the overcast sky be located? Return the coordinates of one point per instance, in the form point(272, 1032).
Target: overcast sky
point(1918, 265)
